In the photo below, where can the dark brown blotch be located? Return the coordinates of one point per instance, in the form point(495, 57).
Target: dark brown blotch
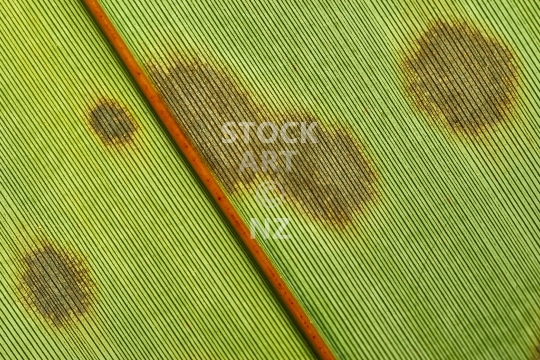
point(56, 285)
point(466, 80)
point(332, 179)
point(112, 123)
point(202, 98)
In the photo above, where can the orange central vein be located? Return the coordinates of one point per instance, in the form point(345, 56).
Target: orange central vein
point(306, 327)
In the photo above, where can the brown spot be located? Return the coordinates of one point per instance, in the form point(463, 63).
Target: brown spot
point(56, 285)
point(463, 78)
point(535, 353)
point(112, 123)
point(202, 99)
point(331, 179)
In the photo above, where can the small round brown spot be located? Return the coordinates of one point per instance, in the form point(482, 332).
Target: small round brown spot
point(112, 123)
point(56, 285)
point(461, 77)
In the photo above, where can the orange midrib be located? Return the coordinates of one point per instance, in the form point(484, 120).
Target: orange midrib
point(289, 301)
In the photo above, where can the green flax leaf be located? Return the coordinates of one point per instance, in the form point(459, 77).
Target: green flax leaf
point(109, 246)
point(440, 259)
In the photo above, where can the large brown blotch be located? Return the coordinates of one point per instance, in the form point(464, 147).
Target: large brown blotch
point(202, 98)
point(56, 285)
point(462, 77)
point(111, 122)
point(332, 179)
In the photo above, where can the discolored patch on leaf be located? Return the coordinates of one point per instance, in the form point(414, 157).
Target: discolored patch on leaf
point(535, 353)
point(331, 179)
point(461, 77)
point(202, 98)
point(112, 123)
point(56, 285)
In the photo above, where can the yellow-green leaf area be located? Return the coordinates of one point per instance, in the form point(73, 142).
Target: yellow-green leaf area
point(87, 168)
